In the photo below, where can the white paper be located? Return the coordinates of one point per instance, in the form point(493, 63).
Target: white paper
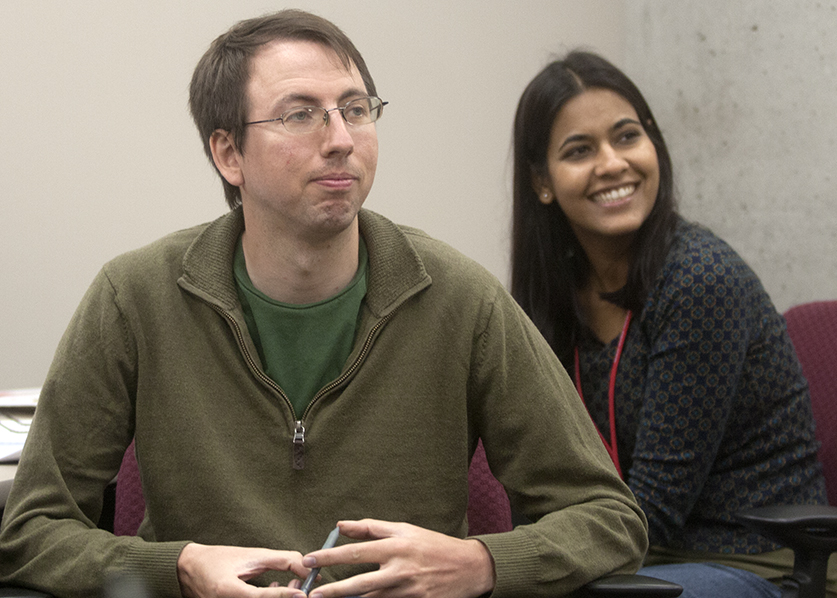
point(16, 410)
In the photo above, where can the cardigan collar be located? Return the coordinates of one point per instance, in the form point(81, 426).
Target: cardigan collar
point(396, 270)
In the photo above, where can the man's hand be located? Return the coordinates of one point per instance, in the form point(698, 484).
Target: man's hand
point(213, 571)
point(414, 562)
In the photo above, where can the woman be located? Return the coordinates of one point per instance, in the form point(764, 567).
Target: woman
point(683, 362)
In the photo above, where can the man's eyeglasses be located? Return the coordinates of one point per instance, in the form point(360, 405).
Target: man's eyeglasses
point(307, 119)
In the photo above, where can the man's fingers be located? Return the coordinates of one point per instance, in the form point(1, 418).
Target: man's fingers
point(380, 540)
point(357, 585)
point(370, 529)
point(294, 565)
point(350, 554)
point(224, 570)
point(272, 560)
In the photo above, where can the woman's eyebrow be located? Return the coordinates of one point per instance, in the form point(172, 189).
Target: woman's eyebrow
point(574, 139)
point(625, 121)
point(622, 122)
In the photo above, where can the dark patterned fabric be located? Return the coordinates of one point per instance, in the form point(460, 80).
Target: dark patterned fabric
point(713, 413)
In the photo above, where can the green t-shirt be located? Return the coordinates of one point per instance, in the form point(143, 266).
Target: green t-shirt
point(302, 347)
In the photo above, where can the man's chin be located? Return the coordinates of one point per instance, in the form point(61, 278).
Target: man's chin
point(336, 220)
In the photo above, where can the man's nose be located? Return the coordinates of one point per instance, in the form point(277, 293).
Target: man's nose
point(338, 136)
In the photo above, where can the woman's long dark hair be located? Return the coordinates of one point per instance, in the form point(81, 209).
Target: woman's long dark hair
point(548, 264)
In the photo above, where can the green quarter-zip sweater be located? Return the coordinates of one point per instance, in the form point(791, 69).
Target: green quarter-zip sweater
point(159, 350)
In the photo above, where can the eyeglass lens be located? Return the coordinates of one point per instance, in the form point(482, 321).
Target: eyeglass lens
point(362, 111)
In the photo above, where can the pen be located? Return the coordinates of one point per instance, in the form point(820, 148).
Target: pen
point(329, 543)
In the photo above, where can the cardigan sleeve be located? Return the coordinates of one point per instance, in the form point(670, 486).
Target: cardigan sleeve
point(83, 423)
point(542, 446)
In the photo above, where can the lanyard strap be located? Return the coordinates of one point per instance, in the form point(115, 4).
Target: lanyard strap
point(612, 448)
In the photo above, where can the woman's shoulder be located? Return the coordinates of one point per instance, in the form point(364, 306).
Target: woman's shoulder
point(695, 243)
point(703, 269)
point(698, 253)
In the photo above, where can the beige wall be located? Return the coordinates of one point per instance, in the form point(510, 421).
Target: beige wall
point(746, 95)
point(99, 154)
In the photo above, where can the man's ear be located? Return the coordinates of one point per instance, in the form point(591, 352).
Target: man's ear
point(226, 157)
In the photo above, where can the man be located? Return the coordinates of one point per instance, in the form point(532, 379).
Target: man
point(302, 363)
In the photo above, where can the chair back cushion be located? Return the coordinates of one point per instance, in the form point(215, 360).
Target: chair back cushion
point(130, 503)
point(813, 330)
point(488, 505)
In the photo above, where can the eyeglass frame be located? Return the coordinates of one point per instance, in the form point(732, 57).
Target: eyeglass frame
point(326, 117)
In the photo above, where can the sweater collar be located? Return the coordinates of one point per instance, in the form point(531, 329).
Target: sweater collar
point(396, 271)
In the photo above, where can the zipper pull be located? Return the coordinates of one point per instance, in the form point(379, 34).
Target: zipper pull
point(299, 446)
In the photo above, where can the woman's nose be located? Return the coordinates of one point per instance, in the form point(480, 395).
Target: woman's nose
point(610, 161)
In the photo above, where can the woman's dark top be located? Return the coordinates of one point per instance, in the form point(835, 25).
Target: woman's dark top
point(713, 413)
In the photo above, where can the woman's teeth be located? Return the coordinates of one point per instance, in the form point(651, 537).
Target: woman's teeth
point(613, 195)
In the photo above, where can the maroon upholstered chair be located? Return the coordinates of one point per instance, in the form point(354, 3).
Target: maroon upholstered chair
point(810, 530)
point(488, 506)
point(813, 330)
point(129, 507)
point(489, 511)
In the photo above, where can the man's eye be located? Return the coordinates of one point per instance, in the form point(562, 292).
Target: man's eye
point(357, 111)
point(299, 115)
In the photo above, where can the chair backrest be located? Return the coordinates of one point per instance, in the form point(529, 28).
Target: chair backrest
point(488, 506)
point(813, 330)
point(129, 508)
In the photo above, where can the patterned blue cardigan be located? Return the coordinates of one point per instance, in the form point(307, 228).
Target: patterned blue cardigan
point(713, 414)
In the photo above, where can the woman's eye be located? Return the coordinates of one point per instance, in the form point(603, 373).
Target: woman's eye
point(629, 136)
point(576, 152)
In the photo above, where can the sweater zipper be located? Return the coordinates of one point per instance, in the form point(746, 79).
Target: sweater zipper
point(355, 365)
point(298, 441)
point(299, 445)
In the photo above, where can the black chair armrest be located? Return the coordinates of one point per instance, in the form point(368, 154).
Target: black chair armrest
point(619, 586)
point(810, 531)
point(630, 586)
point(12, 592)
point(809, 526)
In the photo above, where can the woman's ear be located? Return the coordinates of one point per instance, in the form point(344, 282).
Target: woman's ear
point(543, 192)
point(226, 157)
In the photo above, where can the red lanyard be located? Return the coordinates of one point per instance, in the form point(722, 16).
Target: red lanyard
point(611, 446)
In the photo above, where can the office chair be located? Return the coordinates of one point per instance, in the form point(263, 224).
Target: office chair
point(129, 503)
point(489, 512)
point(810, 530)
